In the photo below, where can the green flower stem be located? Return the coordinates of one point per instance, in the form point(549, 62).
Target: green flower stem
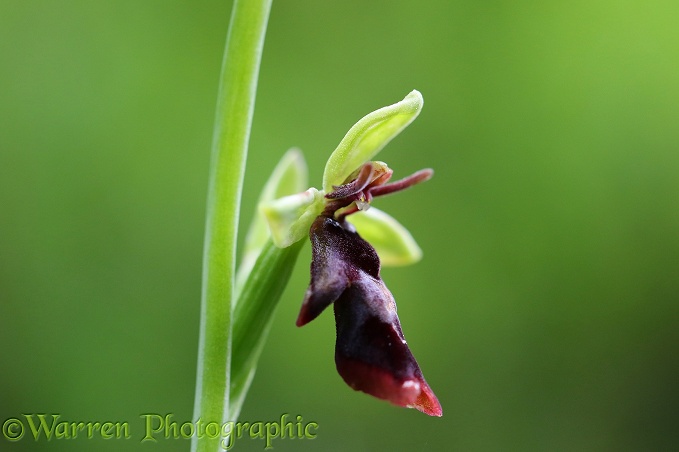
point(235, 106)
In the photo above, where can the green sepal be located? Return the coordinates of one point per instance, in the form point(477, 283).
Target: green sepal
point(368, 136)
point(288, 177)
point(290, 217)
point(394, 244)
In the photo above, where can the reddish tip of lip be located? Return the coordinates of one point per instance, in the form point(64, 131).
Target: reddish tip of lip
point(427, 402)
point(413, 393)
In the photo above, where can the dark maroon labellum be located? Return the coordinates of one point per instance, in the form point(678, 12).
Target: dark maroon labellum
point(371, 353)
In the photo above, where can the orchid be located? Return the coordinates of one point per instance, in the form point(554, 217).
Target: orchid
point(371, 353)
point(238, 301)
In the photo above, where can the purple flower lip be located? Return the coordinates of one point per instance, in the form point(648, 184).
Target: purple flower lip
point(371, 353)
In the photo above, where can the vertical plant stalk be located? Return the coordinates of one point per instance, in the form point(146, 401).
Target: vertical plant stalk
point(235, 107)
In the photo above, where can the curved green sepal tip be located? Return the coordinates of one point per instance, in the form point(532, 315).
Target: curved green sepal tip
point(394, 244)
point(368, 136)
point(290, 217)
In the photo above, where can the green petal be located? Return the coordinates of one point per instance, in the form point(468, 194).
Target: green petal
point(290, 217)
point(393, 243)
point(368, 136)
point(289, 177)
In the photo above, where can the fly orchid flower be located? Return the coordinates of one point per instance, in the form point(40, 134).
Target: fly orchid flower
point(371, 353)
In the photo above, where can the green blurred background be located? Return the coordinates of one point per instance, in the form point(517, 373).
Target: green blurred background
point(544, 313)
